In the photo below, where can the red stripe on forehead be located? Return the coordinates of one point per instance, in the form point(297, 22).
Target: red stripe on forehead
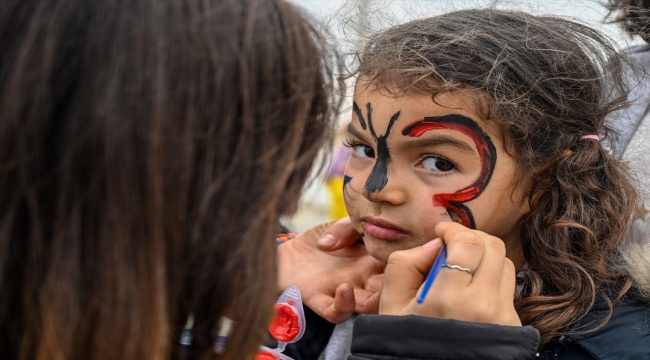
point(422, 126)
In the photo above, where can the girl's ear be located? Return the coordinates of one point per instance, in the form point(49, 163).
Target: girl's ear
point(526, 203)
point(535, 194)
point(534, 183)
point(537, 180)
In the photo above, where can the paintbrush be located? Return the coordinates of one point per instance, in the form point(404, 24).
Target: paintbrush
point(435, 269)
point(437, 265)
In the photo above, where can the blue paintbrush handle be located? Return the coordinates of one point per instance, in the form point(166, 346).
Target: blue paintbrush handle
point(435, 269)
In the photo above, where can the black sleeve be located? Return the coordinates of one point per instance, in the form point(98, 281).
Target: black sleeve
point(415, 337)
point(574, 352)
point(313, 342)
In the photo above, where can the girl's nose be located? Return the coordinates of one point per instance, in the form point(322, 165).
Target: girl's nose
point(392, 192)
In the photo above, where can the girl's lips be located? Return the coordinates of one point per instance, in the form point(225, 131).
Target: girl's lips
point(382, 230)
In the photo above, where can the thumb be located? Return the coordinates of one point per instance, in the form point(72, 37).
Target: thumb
point(338, 235)
point(404, 276)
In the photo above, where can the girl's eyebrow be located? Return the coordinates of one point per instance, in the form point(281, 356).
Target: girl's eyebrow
point(354, 132)
point(437, 140)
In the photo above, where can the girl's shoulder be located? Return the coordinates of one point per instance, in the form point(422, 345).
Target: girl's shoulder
point(625, 336)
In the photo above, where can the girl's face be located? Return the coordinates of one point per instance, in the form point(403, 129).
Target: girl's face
point(416, 163)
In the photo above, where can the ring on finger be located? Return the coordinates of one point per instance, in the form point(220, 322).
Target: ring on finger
point(457, 267)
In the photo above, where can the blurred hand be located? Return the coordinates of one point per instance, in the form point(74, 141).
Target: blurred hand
point(485, 296)
point(334, 272)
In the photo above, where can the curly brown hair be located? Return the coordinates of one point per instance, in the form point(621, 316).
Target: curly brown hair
point(545, 82)
point(632, 15)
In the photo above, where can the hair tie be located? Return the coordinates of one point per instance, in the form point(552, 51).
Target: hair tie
point(590, 137)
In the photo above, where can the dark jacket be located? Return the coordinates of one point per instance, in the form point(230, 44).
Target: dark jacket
point(625, 336)
point(385, 337)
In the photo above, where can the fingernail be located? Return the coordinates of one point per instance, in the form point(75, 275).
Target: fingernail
point(347, 293)
point(327, 240)
point(433, 243)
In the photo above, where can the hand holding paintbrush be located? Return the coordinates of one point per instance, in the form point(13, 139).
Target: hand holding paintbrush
point(484, 295)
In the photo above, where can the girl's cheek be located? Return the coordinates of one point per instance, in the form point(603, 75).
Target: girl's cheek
point(350, 194)
point(433, 213)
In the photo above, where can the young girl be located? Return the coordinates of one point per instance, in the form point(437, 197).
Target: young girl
point(492, 119)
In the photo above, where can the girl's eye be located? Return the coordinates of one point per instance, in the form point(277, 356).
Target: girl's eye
point(363, 151)
point(437, 164)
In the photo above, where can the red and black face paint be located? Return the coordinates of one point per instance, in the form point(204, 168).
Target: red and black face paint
point(379, 175)
point(487, 152)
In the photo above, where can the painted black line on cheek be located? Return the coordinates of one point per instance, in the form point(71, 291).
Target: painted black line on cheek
point(357, 111)
point(467, 211)
point(346, 181)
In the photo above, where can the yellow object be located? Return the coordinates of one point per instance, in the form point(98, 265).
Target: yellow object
point(337, 204)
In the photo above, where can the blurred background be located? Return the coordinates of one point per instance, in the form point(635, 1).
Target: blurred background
point(348, 22)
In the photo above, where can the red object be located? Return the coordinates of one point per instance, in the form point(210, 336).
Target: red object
point(265, 355)
point(285, 325)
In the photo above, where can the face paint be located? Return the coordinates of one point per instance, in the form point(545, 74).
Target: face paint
point(379, 176)
point(487, 153)
point(287, 326)
point(346, 181)
point(357, 111)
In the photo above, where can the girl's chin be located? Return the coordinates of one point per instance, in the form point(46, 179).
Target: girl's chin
point(381, 249)
point(382, 253)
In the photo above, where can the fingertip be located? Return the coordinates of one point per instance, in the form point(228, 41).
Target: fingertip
point(433, 244)
point(346, 221)
point(327, 241)
point(345, 232)
point(348, 293)
point(442, 226)
point(344, 304)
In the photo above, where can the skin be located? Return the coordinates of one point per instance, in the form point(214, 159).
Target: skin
point(454, 294)
point(333, 270)
point(403, 212)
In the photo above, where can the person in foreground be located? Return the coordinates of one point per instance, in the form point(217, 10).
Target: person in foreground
point(147, 149)
point(480, 129)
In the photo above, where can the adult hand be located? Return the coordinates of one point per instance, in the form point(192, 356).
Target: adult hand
point(337, 276)
point(485, 296)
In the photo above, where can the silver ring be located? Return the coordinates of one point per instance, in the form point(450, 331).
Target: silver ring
point(458, 268)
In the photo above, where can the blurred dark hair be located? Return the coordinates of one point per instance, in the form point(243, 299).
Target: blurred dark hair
point(632, 15)
point(544, 82)
point(148, 150)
